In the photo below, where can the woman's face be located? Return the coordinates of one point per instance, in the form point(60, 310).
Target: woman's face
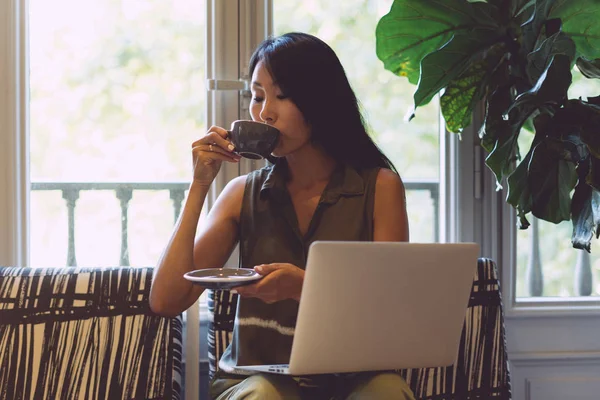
point(271, 106)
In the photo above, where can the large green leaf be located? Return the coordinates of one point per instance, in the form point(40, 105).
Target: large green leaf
point(461, 95)
point(551, 181)
point(414, 28)
point(533, 27)
point(570, 148)
point(485, 13)
point(497, 135)
point(582, 118)
point(504, 153)
point(593, 176)
point(582, 216)
point(566, 144)
point(519, 192)
point(585, 215)
point(504, 118)
point(522, 8)
point(516, 8)
point(528, 125)
point(580, 22)
point(444, 65)
point(539, 60)
point(594, 101)
point(551, 88)
point(589, 68)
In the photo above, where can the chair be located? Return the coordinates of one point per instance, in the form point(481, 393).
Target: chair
point(481, 371)
point(85, 333)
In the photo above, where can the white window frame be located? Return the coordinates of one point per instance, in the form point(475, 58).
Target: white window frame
point(234, 29)
point(486, 218)
point(552, 307)
point(14, 133)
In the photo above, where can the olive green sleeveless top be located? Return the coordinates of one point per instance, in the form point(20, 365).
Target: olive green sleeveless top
point(269, 233)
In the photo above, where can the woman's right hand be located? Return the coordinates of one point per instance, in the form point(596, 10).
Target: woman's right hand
point(209, 152)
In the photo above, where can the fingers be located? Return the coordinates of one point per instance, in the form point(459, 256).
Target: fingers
point(253, 291)
point(213, 138)
point(259, 289)
point(217, 153)
point(248, 290)
point(216, 136)
point(220, 131)
point(274, 287)
point(215, 146)
point(202, 153)
point(266, 269)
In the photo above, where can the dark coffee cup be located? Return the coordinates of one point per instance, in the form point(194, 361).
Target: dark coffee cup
point(254, 140)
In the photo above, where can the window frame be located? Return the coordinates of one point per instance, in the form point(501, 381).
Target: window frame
point(573, 307)
point(14, 133)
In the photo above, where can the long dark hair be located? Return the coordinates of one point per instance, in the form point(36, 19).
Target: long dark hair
point(309, 72)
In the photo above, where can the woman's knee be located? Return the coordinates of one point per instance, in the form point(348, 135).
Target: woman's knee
point(267, 387)
point(385, 385)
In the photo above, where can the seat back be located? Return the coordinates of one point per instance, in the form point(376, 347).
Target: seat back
point(85, 333)
point(481, 370)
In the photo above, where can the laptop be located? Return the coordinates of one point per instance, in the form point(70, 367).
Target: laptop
point(370, 306)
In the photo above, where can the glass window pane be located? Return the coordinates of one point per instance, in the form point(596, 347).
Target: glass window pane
point(349, 28)
point(556, 269)
point(117, 97)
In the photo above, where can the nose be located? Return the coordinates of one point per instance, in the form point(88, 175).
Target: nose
point(267, 113)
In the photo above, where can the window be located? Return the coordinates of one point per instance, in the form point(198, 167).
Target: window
point(117, 97)
point(547, 264)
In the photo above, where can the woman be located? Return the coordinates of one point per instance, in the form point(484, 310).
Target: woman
point(328, 181)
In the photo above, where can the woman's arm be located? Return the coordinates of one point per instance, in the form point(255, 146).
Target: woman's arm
point(170, 293)
point(389, 217)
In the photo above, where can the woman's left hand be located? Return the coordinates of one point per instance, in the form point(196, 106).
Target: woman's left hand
point(280, 282)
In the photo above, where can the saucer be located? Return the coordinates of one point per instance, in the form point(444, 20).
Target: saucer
point(222, 278)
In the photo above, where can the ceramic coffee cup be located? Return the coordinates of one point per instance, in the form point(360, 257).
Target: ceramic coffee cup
point(254, 140)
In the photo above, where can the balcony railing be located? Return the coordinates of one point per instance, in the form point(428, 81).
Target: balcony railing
point(124, 192)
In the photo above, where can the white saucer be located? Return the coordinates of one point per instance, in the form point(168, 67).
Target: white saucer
point(222, 278)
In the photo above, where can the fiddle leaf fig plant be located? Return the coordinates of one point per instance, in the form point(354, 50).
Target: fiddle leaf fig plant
point(515, 57)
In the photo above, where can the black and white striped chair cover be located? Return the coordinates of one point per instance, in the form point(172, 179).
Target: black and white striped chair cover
point(481, 371)
point(85, 333)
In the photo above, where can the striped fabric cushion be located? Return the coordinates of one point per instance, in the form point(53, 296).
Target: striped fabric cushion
point(85, 333)
point(481, 371)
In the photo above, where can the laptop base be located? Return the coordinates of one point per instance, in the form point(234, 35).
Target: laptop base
point(281, 369)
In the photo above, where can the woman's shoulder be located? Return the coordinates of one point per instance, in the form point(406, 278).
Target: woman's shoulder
point(252, 176)
point(389, 187)
point(238, 185)
point(388, 180)
point(235, 187)
point(386, 175)
point(381, 175)
point(261, 173)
